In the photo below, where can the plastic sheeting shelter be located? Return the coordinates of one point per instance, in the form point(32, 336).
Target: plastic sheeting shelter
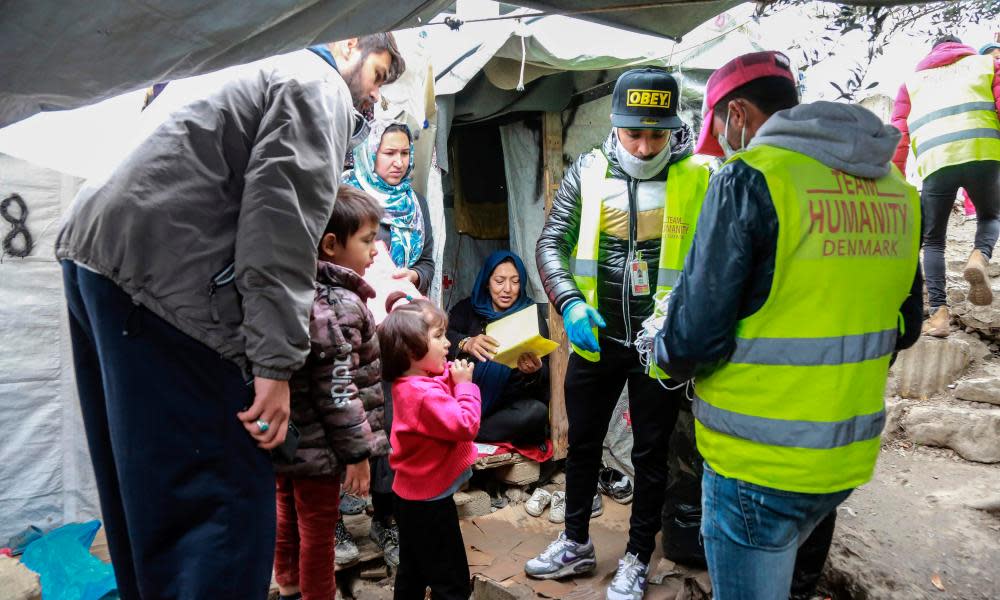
point(56, 54)
point(45, 473)
point(478, 70)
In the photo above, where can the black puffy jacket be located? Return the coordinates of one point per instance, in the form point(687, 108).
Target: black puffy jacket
point(623, 312)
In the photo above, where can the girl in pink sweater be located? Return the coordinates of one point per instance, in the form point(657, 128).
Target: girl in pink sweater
point(436, 410)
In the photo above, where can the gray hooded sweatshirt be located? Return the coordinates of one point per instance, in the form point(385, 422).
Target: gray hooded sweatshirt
point(841, 136)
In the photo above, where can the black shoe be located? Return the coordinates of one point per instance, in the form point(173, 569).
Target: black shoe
point(346, 550)
point(615, 484)
point(387, 538)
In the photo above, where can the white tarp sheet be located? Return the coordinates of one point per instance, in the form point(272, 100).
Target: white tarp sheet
point(56, 54)
point(45, 473)
point(525, 198)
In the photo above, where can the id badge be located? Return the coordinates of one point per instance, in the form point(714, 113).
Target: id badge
point(639, 270)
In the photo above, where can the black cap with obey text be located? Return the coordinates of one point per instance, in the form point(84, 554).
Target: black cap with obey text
point(645, 99)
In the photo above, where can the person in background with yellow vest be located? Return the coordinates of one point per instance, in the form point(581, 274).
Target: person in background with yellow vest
point(620, 226)
point(947, 113)
point(801, 283)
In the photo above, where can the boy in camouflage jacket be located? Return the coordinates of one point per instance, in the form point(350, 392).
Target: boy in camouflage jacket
point(336, 403)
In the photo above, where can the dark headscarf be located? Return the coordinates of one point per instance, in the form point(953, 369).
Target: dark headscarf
point(482, 301)
point(491, 377)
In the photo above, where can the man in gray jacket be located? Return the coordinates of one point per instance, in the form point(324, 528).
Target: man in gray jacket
point(189, 272)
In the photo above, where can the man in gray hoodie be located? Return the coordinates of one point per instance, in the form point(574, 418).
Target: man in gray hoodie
point(801, 283)
point(189, 271)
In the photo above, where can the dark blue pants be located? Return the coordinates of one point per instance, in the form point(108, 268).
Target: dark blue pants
point(187, 498)
point(981, 179)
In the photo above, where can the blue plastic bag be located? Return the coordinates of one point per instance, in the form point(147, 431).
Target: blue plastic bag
point(67, 569)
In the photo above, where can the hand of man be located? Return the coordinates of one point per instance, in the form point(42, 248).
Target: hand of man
point(357, 479)
point(267, 418)
point(579, 320)
point(528, 363)
point(482, 347)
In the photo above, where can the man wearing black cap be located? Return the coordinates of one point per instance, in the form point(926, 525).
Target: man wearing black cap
point(611, 249)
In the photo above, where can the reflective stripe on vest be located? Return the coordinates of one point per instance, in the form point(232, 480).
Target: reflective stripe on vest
point(953, 115)
point(789, 433)
point(836, 350)
point(683, 192)
point(798, 406)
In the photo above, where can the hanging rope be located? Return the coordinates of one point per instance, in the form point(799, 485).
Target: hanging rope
point(524, 58)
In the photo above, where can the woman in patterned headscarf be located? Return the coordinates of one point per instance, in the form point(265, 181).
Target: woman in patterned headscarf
point(382, 167)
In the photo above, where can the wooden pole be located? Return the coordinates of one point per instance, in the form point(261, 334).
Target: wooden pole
point(558, 360)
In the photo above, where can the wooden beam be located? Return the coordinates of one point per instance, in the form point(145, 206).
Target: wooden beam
point(552, 151)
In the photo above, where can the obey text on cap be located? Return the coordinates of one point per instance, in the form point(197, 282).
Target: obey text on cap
point(648, 98)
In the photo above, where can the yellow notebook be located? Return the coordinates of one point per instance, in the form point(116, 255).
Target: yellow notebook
point(518, 333)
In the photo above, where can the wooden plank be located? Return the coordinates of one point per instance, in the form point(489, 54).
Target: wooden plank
point(498, 460)
point(552, 150)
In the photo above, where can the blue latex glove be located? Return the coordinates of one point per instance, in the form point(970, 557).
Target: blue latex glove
point(579, 320)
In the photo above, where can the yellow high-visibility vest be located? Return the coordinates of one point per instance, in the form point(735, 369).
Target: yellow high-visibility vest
point(953, 115)
point(799, 404)
point(683, 193)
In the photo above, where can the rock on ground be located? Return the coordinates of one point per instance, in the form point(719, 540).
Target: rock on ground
point(973, 433)
point(17, 582)
point(932, 364)
point(980, 389)
point(915, 524)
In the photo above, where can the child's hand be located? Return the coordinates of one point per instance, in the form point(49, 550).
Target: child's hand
point(357, 479)
point(461, 371)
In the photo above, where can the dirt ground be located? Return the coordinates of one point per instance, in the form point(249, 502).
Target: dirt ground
point(912, 532)
point(500, 543)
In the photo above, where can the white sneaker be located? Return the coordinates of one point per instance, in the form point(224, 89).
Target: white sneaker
point(557, 511)
point(535, 505)
point(630, 579)
point(562, 558)
point(597, 507)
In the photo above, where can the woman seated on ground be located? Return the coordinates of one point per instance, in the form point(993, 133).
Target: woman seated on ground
point(515, 401)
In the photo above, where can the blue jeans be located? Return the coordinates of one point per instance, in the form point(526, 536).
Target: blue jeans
point(752, 534)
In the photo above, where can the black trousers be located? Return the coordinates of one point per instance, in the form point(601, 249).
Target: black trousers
point(522, 422)
point(431, 551)
point(188, 499)
point(981, 179)
point(382, 475)
point(592, 391)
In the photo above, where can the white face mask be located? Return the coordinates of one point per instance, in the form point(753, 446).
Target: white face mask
point(639, 168)
point(723, 140)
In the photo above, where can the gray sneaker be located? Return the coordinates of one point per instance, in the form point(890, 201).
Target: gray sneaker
point(562, 558)
point(597, 507)
point(387, 539)
point(352, 505)
point(630, 579)
point(346, 551)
